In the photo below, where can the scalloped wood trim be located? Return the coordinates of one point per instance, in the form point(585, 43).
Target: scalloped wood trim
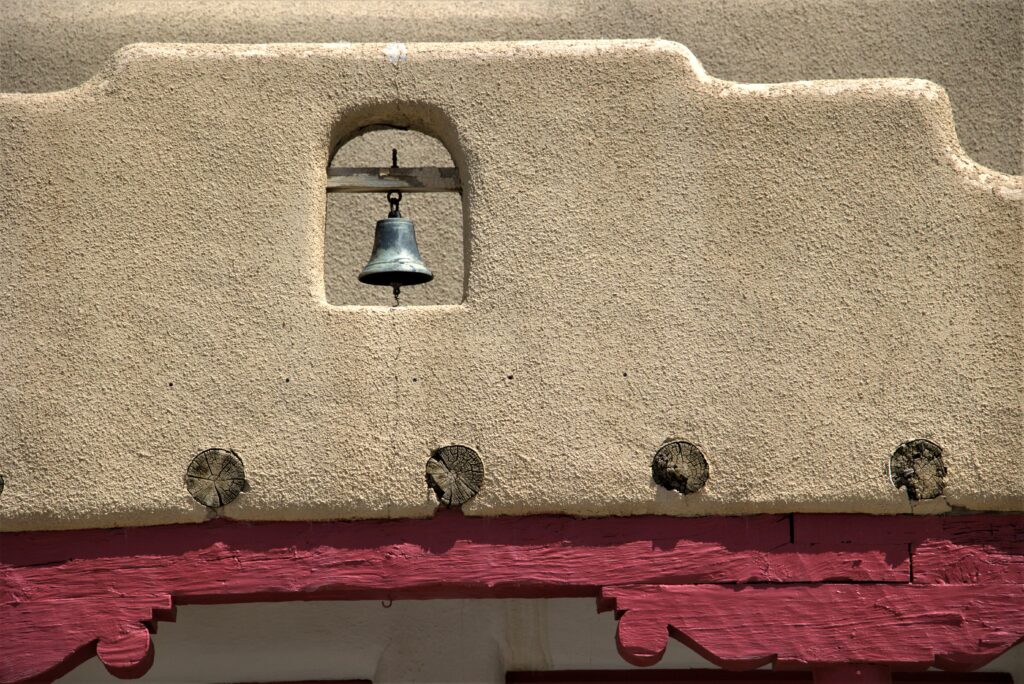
point(822, 626)
point(802, 591)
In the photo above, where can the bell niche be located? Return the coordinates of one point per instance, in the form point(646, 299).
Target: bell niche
point(393, 233)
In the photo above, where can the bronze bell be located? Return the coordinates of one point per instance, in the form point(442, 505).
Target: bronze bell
point(396, 259)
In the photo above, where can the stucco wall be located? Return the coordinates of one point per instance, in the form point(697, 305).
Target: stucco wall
point(796, 277)
point(973, 48)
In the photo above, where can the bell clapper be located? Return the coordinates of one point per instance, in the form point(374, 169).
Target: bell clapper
point(396, 290)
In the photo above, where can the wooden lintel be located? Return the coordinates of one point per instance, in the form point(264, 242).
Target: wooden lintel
point(832, 594)
point(384, 179)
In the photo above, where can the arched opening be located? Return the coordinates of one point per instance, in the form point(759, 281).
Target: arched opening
point(351, 218)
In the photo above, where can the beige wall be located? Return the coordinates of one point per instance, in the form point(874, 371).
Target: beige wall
point(797, 277)
point(973, 48)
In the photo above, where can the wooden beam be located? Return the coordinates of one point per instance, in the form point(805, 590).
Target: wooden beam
point(820, 626)
point(742, 591)
point(385, 179)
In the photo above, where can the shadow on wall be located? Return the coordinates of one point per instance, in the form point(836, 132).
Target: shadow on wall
point(350, 220)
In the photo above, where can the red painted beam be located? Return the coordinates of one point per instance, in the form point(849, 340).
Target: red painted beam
point(822, 625)
point(972, 549)
point(521, 554)
point(954, 549)
point(65, 595)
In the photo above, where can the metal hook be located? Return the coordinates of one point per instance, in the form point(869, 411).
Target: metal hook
point(394, 198)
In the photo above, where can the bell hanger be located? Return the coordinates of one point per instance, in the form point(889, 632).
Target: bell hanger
point(395, 260)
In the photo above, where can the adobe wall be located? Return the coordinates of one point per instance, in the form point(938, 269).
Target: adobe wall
point(798, 278)
point(973, 49)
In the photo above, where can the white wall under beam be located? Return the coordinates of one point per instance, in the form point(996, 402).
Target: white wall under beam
point(470, 641)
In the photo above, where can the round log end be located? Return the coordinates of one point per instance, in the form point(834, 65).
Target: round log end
point(917, 466)
point(680, 466)
point(455, 473)
point(215, 477)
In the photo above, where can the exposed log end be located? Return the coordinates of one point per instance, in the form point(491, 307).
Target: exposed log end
point(681, 466)
point(918, 466)
point(215, 477)
point(455, 473)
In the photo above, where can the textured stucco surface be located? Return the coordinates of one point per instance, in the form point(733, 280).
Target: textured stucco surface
point(974, 48)
point(797, 278)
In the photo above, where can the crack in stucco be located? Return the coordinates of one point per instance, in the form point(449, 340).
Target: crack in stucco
point(394, 406)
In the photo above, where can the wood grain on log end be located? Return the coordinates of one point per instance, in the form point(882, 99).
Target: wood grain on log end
point(917, 465)
point(681, 466)
point(455, 473)
point(215, 477)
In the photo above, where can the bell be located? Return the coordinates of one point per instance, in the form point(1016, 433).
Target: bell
point(396, 259)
